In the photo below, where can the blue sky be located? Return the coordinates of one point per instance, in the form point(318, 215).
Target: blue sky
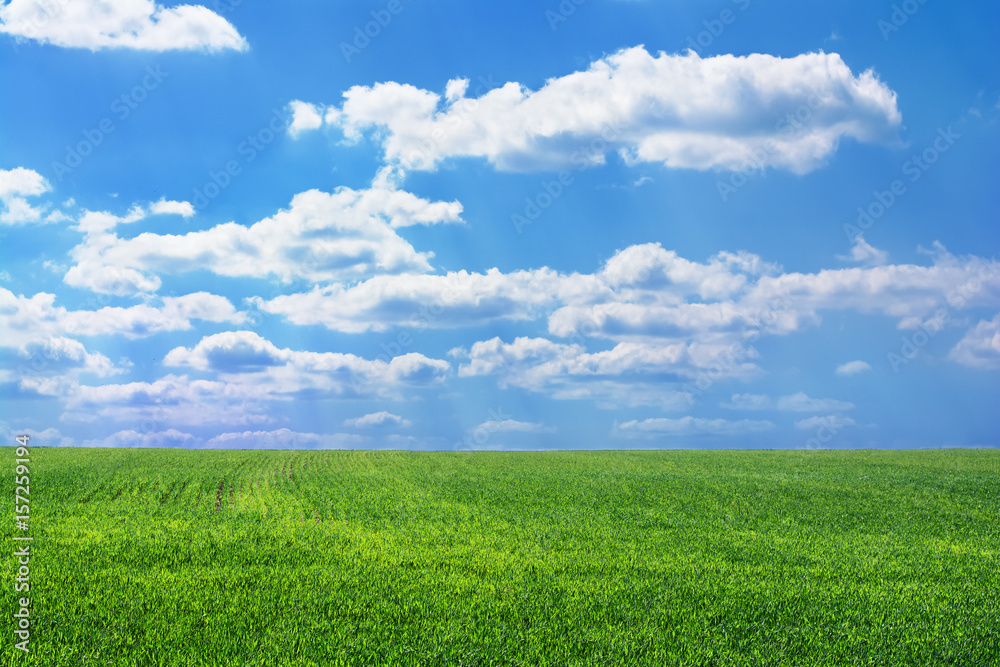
point(444, 225)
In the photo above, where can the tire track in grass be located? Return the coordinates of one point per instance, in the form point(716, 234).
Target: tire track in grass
point(233, 482)
point(114, 496)
point(169, 492)
point(310, 484)
point(218, 494)
point(180, 491)
point(261, 489)
point(93, 492)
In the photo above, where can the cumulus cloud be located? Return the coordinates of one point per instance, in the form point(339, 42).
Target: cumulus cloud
point(49, 437)
point(798, 402)
point(133, 24)
point(21, 182)
point(833, 422)
point(131, 438)
point(651, 266)
point(749, 402)
point(61, 355)
point(171, 399)
point(628, 374)
point(533, 362)
point(170, 207)
point(647, 273)
point(253, 377)
point(646, 293)
point(344, 235)
point(688, 426)
point(285, 439)
point(682, 111)
point(175, 314)
point(908, 292)
point(282, 438)
point(305, 116)
point(980, 347)
point(853, 368)
point(281, 370)
point(17, 184)
point(28, 319)
point(801, 403)
point(781, 303)
point(433, 301)
point(513, 426)
point(863, 253)
point(377, 419)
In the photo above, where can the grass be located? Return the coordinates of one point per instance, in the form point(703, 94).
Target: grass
point(172, 557)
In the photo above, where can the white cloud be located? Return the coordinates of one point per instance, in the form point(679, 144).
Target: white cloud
point(131, 438)
point(377, 419)
point(49, 437)
point(686, 426)
point(863, 253)
point(95, 222)
point(305, 116)
point(906, 291)
point(171, 399)
point(513, 426)
point(533, 362)
point(175, 314)
point(613, 394)
point(22, 182)
point(169, 207)
point(781, 303)
point(749, 402)
point(853, 368)
point(801, 403)
point(15, 185)
point(57, 354)
point(243, 356)
point(132, 24)
point(629, 374)
point(455, 299)
point(344, 235)
point(833, 422)
point(377, 280)
point(651, 266)
point(679, 110)
point(28, 319)
point(980, 347)
point(798, 402)
point(647, 273)
point(285, 439)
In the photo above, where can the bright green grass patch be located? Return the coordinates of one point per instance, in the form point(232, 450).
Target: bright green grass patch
point(188, 558)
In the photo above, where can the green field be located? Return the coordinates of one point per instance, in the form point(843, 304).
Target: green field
point(170, 557)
